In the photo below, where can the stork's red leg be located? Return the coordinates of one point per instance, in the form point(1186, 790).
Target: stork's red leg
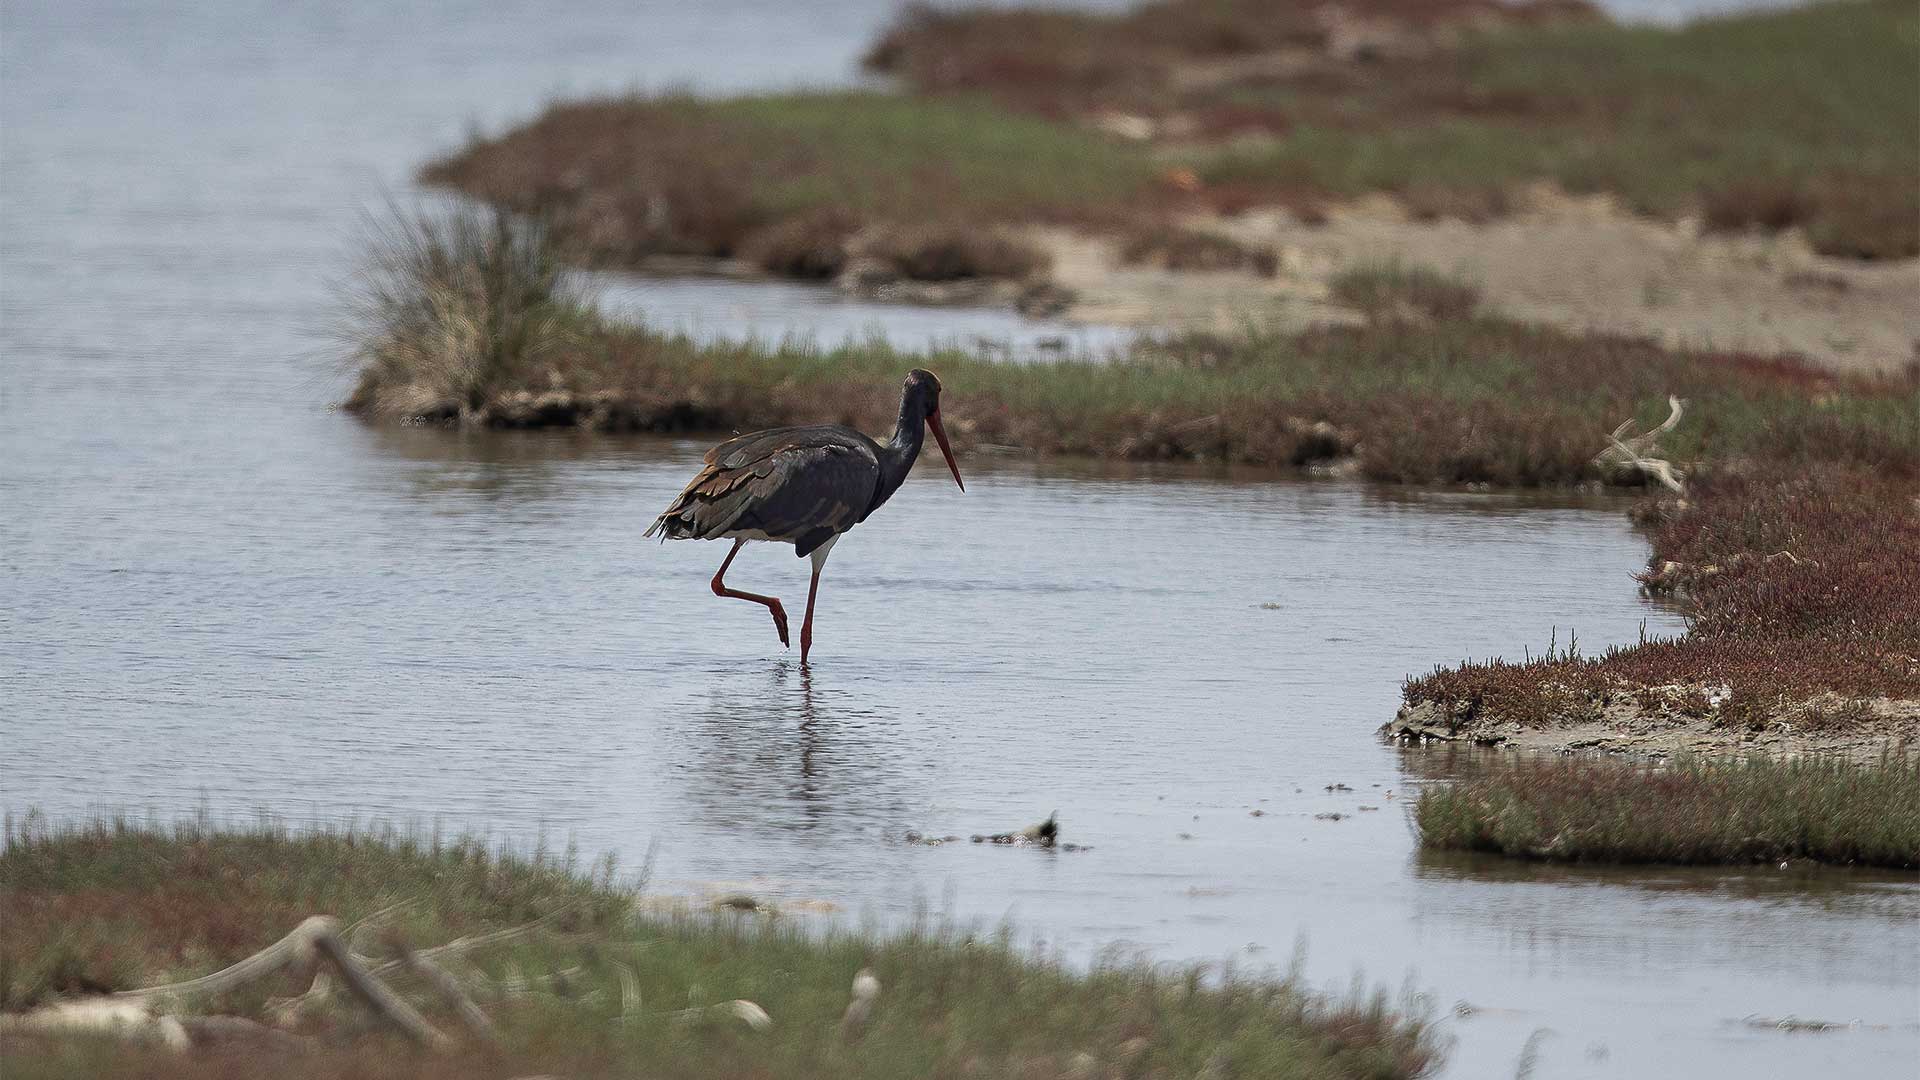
point(772, 603)
point(806, 625)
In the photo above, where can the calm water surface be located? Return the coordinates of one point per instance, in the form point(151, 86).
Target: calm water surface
point(220, 593)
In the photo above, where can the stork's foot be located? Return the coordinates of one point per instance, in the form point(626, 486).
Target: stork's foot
point(780, 622)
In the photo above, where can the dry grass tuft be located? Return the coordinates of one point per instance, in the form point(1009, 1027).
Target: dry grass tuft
point(1176, 248)
point(447, 306)
point(1393, 290)
point(953, 252)
point(809, 246)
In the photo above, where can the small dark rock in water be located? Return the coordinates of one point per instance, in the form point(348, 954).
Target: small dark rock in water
point(1256, 813)
point(1369, 808)
point(738, 902)
point(1338, 787)
point(1334, 816)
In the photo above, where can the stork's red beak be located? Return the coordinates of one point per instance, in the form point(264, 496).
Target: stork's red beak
point(940, 436)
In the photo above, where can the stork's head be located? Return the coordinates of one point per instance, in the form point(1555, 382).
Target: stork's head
point(922, 394)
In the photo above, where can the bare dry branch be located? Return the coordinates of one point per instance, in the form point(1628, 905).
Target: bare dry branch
point(388, 1005)
point(315, 937)
point(289, 1010)
point(296, 948)
point(630, 1001)
point(450, 991)
point(866, 990)
point(1636, 452)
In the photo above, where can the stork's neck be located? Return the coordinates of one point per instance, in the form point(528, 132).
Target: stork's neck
point(897, 456)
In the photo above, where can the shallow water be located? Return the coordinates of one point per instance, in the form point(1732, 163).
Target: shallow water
point(707, 308)
point(219, 593)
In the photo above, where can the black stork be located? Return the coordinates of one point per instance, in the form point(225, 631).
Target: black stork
point(802, 486)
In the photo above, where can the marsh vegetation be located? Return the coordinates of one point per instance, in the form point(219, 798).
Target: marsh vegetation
point(1736, 811)
point(1804, 117)
point(573, 981)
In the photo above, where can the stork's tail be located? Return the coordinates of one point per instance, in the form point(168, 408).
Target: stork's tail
point(666, 527)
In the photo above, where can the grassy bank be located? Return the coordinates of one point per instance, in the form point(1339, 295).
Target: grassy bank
point(1803, 597)
point(1736, 812)
point(1800, 117)
point(588, 988)
point(802, 183)
point(461, 318)
point(1804, 117)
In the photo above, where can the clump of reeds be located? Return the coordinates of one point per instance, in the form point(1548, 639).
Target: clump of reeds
point(1690, 811)
point(448, 305)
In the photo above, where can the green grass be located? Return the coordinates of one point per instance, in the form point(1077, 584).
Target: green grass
point(621, 179)
point(1690, 811)
point(1807, 116)
point(1803, 117)
point(114, 905)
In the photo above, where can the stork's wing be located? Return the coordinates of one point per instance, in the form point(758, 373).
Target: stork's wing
point(801, 485)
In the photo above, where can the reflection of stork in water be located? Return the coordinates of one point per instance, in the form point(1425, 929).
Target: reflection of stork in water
point(802, 486)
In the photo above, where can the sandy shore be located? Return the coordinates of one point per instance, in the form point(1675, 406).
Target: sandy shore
point(1627, 728)
point(1580, 263)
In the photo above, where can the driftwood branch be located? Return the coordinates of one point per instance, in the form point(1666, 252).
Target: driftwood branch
point(297, 948)
point(630, 1000)
point(135, 1014)
point(866, 989)
point(450, 991)
point(1637, 452)
point(323, 988)
point(380, 998)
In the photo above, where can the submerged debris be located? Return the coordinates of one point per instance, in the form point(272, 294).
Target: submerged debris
point(931, 841)
point(1334, 815)
point(1040, 834)
point(1794, 1023)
